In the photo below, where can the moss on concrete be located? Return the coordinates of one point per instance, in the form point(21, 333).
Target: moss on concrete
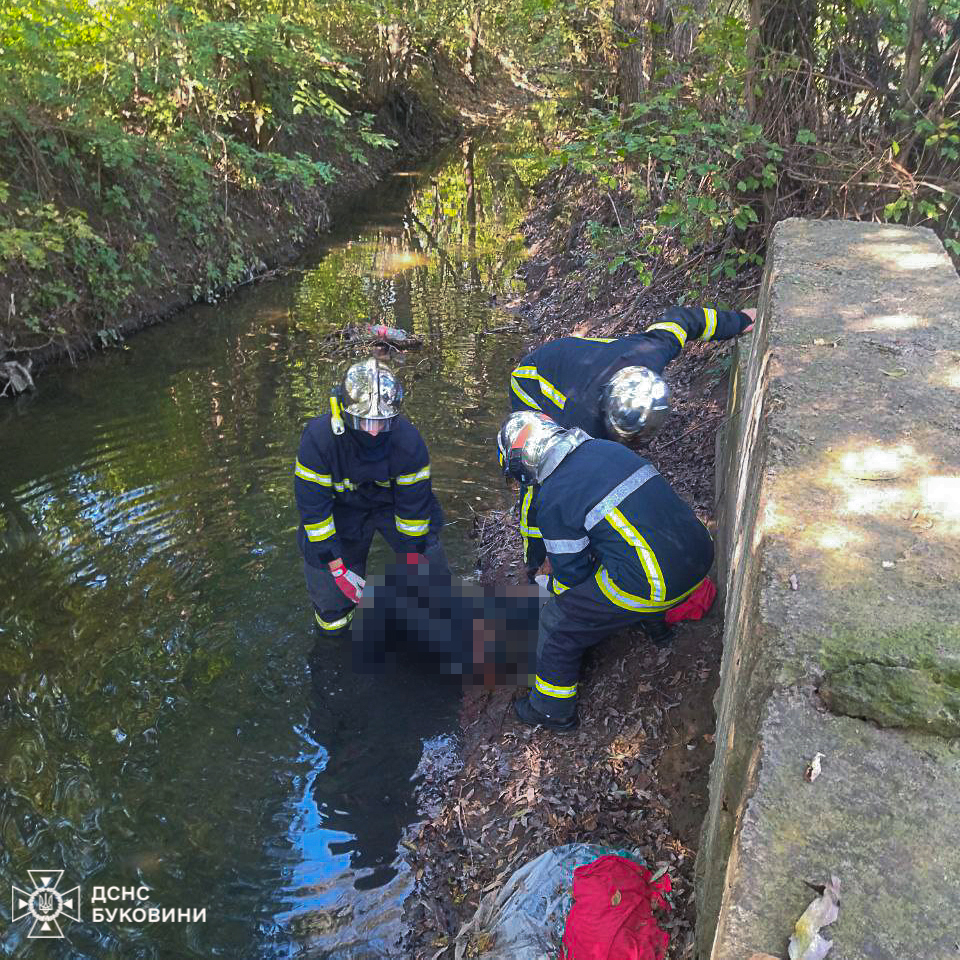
point(916, 699)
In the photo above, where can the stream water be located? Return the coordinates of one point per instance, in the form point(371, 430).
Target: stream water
point(159, 725)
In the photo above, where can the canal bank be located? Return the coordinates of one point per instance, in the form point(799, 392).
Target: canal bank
point(261, 227)
point(634, 776)
point(160, 723)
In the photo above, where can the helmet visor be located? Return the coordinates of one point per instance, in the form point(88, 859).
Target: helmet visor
point(368, 424)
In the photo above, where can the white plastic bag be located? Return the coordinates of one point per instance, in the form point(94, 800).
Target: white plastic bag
point(524, 920)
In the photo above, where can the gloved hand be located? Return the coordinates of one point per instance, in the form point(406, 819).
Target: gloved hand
point(412, 558)
point(350, 584)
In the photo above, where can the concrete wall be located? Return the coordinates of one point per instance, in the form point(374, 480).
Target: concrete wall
point(839, 508)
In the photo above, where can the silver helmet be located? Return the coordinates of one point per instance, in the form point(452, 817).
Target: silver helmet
point(635, 403)
point(522, 433)
point(531, 445)
point(370, 395)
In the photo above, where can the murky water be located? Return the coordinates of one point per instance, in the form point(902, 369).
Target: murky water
point(159, 724)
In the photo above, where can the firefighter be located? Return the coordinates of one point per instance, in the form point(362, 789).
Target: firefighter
point(361, 468)
point(612, 389)
point(623, 549)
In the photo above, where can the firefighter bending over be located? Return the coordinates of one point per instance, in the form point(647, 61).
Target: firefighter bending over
point(623, 548)
point(612, 389)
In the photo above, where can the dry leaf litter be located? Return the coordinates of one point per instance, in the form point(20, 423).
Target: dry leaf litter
point(634, 776)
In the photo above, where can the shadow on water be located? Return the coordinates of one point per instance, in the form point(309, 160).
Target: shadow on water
point(165, 718)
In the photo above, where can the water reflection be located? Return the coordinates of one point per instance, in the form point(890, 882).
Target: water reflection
point(158, 720)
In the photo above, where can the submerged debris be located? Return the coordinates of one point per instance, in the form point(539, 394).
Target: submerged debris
point(359, 339)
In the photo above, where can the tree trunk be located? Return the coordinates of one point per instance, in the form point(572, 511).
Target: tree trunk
point(914, 54)
point(473, 44)
point(633, 35)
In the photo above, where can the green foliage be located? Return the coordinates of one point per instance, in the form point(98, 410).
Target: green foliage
point(152, 112)
point(692, 175)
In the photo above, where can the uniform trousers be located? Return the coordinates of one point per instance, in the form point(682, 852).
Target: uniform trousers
point(577, 619)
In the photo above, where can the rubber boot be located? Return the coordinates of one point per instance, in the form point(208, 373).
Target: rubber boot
point(659, 633)
point(528, 713)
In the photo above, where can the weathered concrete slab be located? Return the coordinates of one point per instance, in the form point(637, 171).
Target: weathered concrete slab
point(839, 501)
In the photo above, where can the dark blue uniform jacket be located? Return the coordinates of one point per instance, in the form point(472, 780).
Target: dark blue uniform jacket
point(339, 483)
point(565, 378)
point(606, 513)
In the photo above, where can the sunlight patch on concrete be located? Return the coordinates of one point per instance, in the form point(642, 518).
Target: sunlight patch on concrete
point(904, 256)
point(889, 321)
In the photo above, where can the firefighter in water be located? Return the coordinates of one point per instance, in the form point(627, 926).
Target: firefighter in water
point(612, 389)
point(362, 468)
point(623, 549)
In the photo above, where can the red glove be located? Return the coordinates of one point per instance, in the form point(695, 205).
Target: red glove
point(412, 558)
point(350, 584)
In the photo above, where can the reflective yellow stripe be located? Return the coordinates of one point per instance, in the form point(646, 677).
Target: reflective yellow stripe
point(382, 483)
point(336, 417)
point(629, 601)
point(597, 339)
point(711, 328)
point(524, 396)
point(305, 473)
point(413, 528)
point(546, 387)
point(647, 557)
point(557, 587)
point(526, 531)
point(320, 531)
point(407, 478)
point(552, 690)
point(673, 328)
point(332, 624)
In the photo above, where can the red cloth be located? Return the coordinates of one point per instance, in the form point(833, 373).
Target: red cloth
point(696, 605)
point(612, 913)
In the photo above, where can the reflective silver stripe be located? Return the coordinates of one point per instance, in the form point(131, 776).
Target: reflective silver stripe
point(333, 624)
point(413, 528)
point(555, 690)
point(710, 323)
point(566, 546)
point(408, 478)
point(305, 473)
point(619, 493)
point(320, 531)
point(523, 395)
point(670, 327)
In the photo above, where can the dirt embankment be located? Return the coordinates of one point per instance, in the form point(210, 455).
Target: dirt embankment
point(261, 231)
point(634, 776)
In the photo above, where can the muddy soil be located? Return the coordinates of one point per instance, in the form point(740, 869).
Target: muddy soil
point(634, 775)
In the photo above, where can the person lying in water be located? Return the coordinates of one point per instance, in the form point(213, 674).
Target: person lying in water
point(475, 634)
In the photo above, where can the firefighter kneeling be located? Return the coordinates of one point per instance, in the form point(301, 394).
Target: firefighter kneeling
point(623, 548)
